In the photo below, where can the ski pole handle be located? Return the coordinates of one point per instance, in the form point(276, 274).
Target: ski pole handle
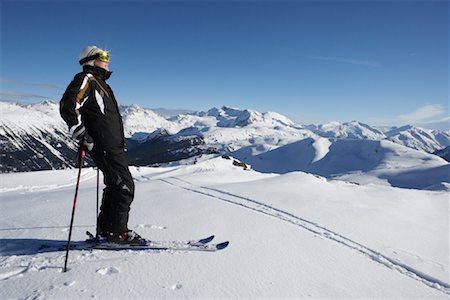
point(81, 152)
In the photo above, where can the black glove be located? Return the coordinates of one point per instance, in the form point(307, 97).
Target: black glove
point(83, 138)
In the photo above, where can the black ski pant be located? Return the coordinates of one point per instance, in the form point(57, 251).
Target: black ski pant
point(118, 193)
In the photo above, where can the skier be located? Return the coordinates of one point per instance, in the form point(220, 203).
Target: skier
point(90, 109)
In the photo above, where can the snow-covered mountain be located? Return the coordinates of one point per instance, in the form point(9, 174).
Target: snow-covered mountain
point(410, 136)
point(139, 122)
point(444, 153)
point(419, 138)
point(34, 137)
point(231, 117)
point(229, 129)
point(349, 130)
point(360, 161)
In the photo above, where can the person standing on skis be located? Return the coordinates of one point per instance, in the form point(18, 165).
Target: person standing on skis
point(90, 109)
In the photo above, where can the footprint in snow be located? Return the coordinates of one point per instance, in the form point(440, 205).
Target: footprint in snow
point(174, 287)
point(71, 283)
point(108, 271)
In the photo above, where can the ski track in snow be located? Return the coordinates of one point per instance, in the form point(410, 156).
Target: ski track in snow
point(87, 176)
point(13, 273)
point(312, 227)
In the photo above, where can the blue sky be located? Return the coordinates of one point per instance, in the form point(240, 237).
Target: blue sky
point(379, 62)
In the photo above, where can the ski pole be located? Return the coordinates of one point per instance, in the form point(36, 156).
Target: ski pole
point(98, 192)
point(81, 154)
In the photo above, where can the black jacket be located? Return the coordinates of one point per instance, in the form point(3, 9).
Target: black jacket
point(89, 101)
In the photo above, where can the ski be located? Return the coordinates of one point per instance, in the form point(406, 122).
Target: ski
point(92, 243)
point(155, 247)
point(193, 243)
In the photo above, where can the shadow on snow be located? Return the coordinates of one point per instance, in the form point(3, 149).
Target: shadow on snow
point(19, 247)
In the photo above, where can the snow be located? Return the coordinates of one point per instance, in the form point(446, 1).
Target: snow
point(245, 132)
point(37, 119)
point(321, 147)
point(26, 118)
point(361, 161)
point(138, 120)
point(292, 235)
point(232, 117)
point(414, 137)
point(353, 130)
point(340, 210)
point(419, 138)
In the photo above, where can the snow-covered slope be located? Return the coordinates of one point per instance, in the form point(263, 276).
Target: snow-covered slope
point(232, 117)
point(38, 118)
point(230, 129)
point(419, 138)
point(291, 236)
point(358, 161)
point(139, 121)
point(444, 153)
point(410, 136)
point(34, 136)
point(350, 130)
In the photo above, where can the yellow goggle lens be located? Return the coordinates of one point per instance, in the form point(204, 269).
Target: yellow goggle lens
point(104, 56)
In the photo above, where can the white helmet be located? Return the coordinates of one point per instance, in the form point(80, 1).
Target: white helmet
point(89, 55)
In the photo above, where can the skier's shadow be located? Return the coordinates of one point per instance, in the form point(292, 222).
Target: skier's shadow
point(19, 247)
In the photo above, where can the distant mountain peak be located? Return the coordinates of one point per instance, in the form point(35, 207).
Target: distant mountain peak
point(224, 111)
point(233, 117)
point(31, 130)
point(348, 130)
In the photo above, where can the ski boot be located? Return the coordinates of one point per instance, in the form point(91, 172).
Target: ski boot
point(129, 237)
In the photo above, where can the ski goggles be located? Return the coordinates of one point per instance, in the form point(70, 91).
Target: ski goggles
point(101, 56)
point(104, 56)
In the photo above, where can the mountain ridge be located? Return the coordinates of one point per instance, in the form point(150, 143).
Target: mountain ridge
point(35, 137)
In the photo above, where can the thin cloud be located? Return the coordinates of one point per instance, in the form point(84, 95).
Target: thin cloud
point(423, 114)
point(440, 124)
point(35, 84)
point(7, 81)
point(351, 61)
point(432, 116)
point(16, 96)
